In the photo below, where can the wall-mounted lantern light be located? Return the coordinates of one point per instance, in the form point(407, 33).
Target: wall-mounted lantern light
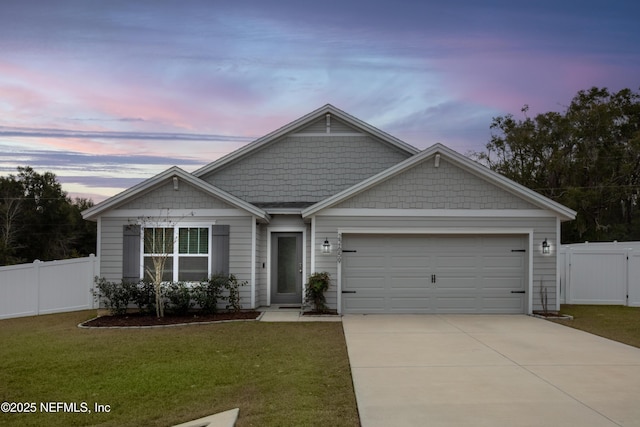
point(545, 247)
point(326, 246)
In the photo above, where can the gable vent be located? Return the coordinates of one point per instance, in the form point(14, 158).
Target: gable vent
point(328, 123)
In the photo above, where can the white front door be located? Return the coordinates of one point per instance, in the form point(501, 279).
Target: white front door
point(286, 268)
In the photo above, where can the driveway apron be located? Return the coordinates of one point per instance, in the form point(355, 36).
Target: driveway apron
point(488, 370)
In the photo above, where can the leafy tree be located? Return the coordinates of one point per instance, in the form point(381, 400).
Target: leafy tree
point(587, 158)
point(39, 221)
point(83, 232)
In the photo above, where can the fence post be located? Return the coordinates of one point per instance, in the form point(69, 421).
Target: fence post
point(628, 254)
point(94, 267)
point(634, 278)
point(36, 273)
point(567, 275)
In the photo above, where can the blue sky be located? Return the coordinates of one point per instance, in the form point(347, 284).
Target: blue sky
point(106, 94)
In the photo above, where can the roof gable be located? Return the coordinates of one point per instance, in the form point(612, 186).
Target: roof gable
point(426, 186)
point(310, 123)
point(166, 196)
point(477, 187)
point(307, 161)
point(139, 195)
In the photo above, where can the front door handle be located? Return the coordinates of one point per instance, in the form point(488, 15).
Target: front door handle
point(518, 292)
point(300, 267)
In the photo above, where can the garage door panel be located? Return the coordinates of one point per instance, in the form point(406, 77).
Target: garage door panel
point(452, 304)
point(414, 262)
point(367, 272)
point(407, 241)
point(462, 241)
point(458, 282)
point(410, 305)
point(503, 305)
point(365, 261)
point(473, 274)
point(399, 283)
point(455, 262)
point(502, 283)
point(503, 261)
point(365, 283)
point(506, 305)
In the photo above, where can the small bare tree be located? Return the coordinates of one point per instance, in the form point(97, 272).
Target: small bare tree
point(543, 298)
point(155, 239)
point(11, 224)
point(158, 239)
point(10, 212)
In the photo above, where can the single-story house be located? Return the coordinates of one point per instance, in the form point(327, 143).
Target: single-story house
point(399, 230)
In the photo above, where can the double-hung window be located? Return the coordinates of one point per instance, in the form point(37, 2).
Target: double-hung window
point(186, 250)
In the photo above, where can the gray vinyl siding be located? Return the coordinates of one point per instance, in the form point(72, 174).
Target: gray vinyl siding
point(319, 126)
point(111, 248)
point(261, 265)
point(240, 253)
point(239, 248)
point(426, 187)
point(327, 229)
point(305, 168)
point(186, 197)
point(544, 267)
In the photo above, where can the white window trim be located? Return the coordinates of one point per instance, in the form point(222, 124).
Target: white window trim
point(175, 256)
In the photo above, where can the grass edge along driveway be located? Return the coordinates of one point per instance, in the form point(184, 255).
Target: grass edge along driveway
point(615, 322)
point(278, 374)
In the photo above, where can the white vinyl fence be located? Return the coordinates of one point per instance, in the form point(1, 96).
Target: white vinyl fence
point(47, 287)
point(600, 273)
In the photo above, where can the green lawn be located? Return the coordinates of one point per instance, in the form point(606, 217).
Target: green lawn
point(615, 322)
point(278, 374)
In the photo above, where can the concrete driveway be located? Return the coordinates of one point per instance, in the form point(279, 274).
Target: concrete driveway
point(457, 370)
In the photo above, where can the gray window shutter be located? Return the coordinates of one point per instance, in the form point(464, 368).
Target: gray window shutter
point(220, 248)
point(131, 253)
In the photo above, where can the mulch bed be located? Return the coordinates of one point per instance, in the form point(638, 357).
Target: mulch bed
point(551, 315)
point(138, 320)
point(546, 314)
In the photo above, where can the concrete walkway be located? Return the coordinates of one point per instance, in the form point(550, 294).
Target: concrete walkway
point(295, 316)
point(223, 419)
point(475, 370)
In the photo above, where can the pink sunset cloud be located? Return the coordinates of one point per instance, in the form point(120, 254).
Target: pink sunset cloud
point(185, 83)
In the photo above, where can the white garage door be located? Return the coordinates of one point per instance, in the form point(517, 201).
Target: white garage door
point(433, 274)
